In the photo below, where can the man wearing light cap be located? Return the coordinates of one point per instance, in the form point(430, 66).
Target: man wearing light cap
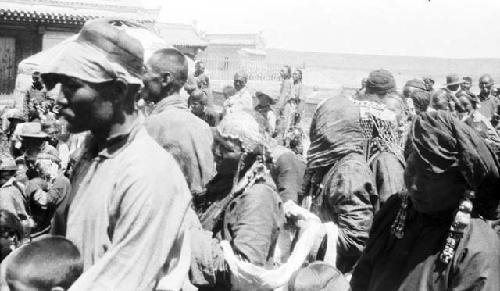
point(242, 99)
point(129, 198)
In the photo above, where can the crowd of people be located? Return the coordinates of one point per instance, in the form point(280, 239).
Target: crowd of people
point(133, 180)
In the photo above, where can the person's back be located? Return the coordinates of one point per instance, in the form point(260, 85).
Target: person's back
point(171, 121)
point(175, 123)
point(51, 263)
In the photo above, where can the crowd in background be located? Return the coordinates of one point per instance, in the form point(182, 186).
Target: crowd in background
point(134, 180)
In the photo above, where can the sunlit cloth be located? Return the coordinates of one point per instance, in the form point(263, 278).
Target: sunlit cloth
point(242, 100)
point(241, 125)
point(443, 142)
point(171, 123)
point(127, 213)
point(247, 276)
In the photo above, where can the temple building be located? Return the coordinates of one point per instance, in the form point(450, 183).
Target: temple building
point(29, 26)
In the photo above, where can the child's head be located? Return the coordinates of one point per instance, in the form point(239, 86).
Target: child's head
point(318, 276)
point(51, 263)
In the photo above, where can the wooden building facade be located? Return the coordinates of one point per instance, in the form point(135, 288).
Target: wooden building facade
point(29, 26)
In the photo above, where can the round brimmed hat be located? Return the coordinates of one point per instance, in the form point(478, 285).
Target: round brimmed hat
point(32, 130)
point(262, 95)
point(7, 163)
point(453, 79)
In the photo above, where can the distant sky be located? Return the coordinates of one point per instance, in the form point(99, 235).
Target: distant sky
point(439, 28)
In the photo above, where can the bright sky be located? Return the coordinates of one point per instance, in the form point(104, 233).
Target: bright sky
point(440, 28)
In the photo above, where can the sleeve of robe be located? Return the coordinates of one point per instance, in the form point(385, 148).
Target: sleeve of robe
point(289, 177)
point(348, 193)
point(152, 210)
point(478, 265)
point(253, 230)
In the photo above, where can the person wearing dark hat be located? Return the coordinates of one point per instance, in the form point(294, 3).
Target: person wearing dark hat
point(452, 86)
point(126, 186)
point(171, 120)
point(380, 82)
point(488, 104)
point(381, 114)
point(198, 103)
point(435, 235)
point(264, 109)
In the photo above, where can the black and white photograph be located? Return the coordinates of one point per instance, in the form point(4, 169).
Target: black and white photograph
point(265, 145)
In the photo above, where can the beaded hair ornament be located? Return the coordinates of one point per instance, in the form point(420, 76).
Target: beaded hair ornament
point(455, 233)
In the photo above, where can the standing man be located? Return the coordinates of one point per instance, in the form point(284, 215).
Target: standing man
point(202, 81)
point(487, 103)
point(171, 121)
point(452, 87)
point(242, 98)
point(34, 98)
point(129, 198)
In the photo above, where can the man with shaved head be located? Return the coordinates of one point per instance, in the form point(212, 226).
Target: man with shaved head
point(488, 104)
point(171, 121)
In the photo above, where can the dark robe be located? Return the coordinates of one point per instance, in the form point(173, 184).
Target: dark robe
point(412, 263)
point(251, 223)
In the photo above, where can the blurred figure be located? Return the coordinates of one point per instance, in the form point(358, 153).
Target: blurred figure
point(411, 86)
point(228, 91)
point(35, 96)
point(12, 197)
point(318, 276)
point(203, 81)
point(421, 100)
point(362, 89)
point(440, 100)
point(469, 114)
point(429, 83)
point(51, 263)
point(11, 234)
point(198, 103)
point(265, 110)
point(241, 100)
point(488, 104)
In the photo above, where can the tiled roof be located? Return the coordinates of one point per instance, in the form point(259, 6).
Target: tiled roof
point(180, 34)
point(249, 39)
point(65, 12)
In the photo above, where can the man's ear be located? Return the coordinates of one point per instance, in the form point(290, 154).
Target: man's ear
point(57, 288)
point(165, 79)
